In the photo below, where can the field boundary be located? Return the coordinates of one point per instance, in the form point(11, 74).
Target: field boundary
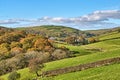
point(81, 67)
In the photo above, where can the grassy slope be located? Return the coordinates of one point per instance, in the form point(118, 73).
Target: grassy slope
point(110, 72)
point(80, 51)
point(24, 74)
point(73, 61)
point(102, 73)
point(103, 31)
point(111, 49)
point(109, 35)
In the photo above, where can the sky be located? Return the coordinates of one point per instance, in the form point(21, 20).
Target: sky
point(80, 14)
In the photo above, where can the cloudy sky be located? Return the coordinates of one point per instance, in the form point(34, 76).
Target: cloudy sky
point(80, 14)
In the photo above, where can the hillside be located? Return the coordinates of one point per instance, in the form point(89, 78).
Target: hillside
point(60, 40)
point(53, 31)
point(5, 30)
point(18, 49)
point(108, 47)
point(102, 31)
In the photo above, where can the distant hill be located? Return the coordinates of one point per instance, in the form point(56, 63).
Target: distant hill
point(5, 30)
point(54, 31)
point(60, 31)
point(102, 31)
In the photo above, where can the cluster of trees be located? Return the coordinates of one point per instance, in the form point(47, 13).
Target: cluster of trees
point(4, 30)
point(13, 36)
point(31, 59)
point(19, 49)
point(18, 42)
point(81, 40)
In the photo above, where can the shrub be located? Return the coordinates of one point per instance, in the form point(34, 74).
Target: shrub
point(15, 44)
point(92, 40)
point(59, 54)
point(13, 76)
point(16, 50)
point(43, 44)
point(4, 48)
point(35, 65)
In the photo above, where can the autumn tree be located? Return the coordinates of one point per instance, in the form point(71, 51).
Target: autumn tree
point(4, 30)
point(92, 40)
point(27, 42)
point(35, 65)
point(43, 44)
point(60, 54)
point(81, 40)
point(16, 44)
point(16, 50)
point(4, 51)
point(9, 37)
point(71, 40)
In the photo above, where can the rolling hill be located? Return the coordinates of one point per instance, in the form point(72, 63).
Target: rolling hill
point(51, 30)
point(102, 31)
point(110, 48)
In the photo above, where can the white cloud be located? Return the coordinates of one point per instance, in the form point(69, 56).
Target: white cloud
point(94, 19)
point(9, 21)
point(103, 15)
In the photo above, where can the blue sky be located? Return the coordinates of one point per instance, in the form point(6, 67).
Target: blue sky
point(81, 14)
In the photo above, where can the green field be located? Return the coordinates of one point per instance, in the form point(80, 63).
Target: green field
point(110, 72)
point(110, 48)
point(110, 35)
point(72, 62)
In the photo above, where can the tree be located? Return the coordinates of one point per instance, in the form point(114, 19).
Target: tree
point(82, 40)
point(60, 54)
point(43, 44)
point(13, 36)
point(92, 40)
point(14, 76)
point(71, 40)
point(4, 50)
point(27, 42)
point(35, 65)
point(16, 50)
point(16, 44)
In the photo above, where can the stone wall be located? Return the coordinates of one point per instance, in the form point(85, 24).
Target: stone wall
point(81, 67)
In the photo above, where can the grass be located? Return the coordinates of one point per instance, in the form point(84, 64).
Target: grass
point(110, 72)
point(108, 45)
point(24, 73)
point(110, 49)
point(81, 60)
point(109, 35)
point(80, 51)
point(70, 62)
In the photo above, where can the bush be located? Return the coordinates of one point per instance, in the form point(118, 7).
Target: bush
point(15, 44)
point(13, 76)
point(59, 54)
point(36, 65)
